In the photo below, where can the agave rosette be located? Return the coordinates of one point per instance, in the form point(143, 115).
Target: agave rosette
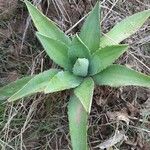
point(86, 60)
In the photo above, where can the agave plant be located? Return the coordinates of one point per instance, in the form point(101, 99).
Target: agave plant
point(86, 60)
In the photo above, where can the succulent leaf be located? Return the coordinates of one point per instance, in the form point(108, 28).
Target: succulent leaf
point(78, 121)
point(56, 50)
point(117, 75)
point(78, 49)
point(80, 67)
point(36, 84)
point(105, 57)
point(85, 55)
point(61, 81)
point(13, 87)
point(90, 31)
point(84, 92)
point(46, 26)
point(124, 29)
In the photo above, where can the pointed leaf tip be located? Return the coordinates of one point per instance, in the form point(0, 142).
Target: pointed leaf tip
point(90, 31)
point(13, 87)
point(104, 57)
point(117, 75)
point(78, 49)
point(125, 28)
point(56, 50)
point(46, 26)
point(35, 85)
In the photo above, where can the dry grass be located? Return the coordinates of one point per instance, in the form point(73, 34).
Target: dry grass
point(40, 122)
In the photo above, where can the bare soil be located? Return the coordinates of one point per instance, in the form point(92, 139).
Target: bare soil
point(40, 122)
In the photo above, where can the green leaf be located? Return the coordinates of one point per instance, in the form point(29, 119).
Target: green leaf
point(90, 32)
point(105, 57)
point(80, 67)
point(13, 87)
point(45, 26)
point(61, 81)
point(36, 84)
point(78, 124)
point(78, 49)
point(124, 29)
point(84, 93)
point(117, 75)
point(56, 50)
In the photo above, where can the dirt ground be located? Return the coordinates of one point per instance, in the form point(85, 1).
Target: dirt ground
point(40, 122)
